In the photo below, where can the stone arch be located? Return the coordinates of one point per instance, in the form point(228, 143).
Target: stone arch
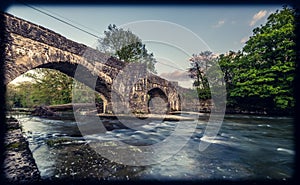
point(101, 86)
point(86, 77)
point(157, 102)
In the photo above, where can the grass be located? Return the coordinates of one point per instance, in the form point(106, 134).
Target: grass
point(54, 142)
point(15, 146)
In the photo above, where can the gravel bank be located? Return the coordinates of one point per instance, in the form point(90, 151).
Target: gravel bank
point(19, 164)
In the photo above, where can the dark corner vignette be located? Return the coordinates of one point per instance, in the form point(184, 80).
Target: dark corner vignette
point(2, 88)
point(3, 126)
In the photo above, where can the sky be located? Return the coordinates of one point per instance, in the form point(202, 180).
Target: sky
point(171, 33)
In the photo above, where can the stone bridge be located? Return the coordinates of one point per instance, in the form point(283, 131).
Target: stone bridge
point(30, 46)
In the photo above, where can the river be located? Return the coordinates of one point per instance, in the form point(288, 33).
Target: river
point(246, 148)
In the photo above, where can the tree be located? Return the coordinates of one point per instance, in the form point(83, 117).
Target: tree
point(126, 46)
point(20, 95)
point(200, 64)
point(264, 74)
point(47, 87)
point(50, 87)
point(227, 63)
point(12, 97)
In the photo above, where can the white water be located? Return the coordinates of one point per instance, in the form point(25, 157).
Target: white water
point(247, 147)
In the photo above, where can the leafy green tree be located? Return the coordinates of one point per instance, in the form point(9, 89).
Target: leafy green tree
point(47, 87)
point(126, 46)
point(50, 87)
point(12, 97)
point(25, 91)
point(200, 63)
point(264, 74)
point(227, 63)
point(20, 95)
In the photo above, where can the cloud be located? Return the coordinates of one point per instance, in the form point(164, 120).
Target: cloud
point(257, 17)
point(176, 76)
point(244, 39)
point(219, 24)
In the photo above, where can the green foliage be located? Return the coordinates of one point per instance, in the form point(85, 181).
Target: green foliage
point(57, 141)
point(204, 93)
point(126, 46)
point(261, 76)
point(19, 95)
point(48, 87)
point(13, 99)
point(199, 66)
point(266, 69)
point(227, 64)
point(16, 146)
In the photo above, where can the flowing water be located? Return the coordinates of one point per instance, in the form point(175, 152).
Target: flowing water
point(246, 148)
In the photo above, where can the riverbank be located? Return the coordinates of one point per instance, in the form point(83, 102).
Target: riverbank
point(19, 164)
point(65, 111)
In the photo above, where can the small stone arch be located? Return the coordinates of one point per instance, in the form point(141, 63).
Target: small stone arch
point(157, 102)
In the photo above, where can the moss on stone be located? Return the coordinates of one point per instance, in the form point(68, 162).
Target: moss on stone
point(54, 142)
point(15, 146)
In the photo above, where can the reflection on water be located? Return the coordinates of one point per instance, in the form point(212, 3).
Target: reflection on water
point(247, 147)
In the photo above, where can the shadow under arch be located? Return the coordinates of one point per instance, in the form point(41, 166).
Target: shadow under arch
point(158, 102)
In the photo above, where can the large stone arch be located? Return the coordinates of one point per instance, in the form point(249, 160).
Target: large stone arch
point(69, 69)
point(25, 54)
point(86, 77)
